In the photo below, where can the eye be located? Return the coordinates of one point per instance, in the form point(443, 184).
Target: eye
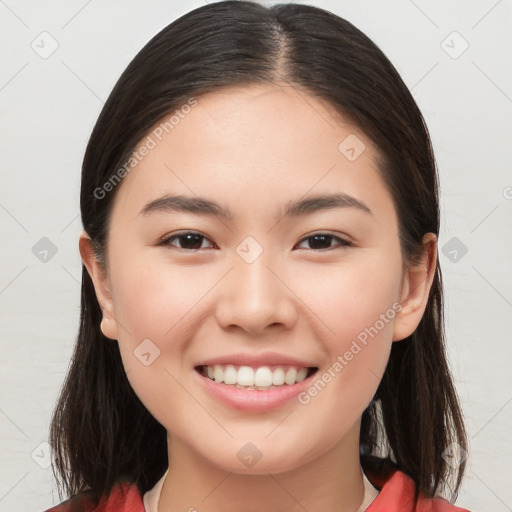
point(187, 241)
point(323, 241)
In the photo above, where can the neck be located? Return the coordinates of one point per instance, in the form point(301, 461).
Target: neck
point(331, 482)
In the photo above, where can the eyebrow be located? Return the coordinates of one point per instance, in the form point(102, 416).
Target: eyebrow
point(203, 206)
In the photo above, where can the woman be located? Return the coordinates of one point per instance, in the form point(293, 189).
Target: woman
point(262, 311)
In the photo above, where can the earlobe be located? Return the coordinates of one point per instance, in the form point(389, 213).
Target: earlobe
point(101, 285)
point(415, 290)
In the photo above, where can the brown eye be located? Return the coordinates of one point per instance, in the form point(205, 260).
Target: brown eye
point(187, 241)
point(321, 241)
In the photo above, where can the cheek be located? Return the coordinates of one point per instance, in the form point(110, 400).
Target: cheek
point(351, 296)
point(153, 301)
point(157, 311)
point(340, 305)
point(356, 305)
point(154, 306)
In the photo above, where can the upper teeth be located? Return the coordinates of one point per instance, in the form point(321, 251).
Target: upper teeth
point(261, 377)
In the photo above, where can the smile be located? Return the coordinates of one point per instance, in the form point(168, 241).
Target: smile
point(253, 389)
point(260, 378)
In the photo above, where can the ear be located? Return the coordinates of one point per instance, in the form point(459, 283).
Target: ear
point(101, 285)
point(415, 290)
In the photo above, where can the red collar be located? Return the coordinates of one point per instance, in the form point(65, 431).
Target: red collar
point(396, 495)
point(397, 492)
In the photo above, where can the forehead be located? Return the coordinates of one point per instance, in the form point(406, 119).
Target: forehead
point(262, 141)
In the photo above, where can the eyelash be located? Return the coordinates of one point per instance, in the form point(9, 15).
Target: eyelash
point(167, 241)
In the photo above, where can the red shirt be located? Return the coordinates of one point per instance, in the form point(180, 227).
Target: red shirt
point(396, 495)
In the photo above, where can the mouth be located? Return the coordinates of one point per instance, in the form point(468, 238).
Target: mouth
point(261, 378)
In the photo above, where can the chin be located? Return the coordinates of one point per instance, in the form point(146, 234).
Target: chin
point(249, 460)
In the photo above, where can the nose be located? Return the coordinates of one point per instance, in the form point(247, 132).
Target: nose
point(254, 297)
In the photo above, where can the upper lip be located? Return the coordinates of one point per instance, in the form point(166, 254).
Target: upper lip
point(256, 360)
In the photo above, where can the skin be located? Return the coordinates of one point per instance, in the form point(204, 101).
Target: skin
point(253, 150)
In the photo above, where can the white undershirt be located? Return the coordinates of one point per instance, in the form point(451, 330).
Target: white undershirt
point(152, 497)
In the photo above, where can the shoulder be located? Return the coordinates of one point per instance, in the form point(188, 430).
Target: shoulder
point(124, 497)
point(397, 492)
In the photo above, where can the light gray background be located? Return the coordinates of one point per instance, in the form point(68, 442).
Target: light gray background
point(49, 106)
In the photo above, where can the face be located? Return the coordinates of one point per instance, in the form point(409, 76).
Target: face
point(296, 264)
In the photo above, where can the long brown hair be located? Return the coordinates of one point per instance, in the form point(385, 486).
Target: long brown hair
point(100, 431)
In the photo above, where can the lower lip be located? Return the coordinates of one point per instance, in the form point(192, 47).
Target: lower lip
point(253, 399)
